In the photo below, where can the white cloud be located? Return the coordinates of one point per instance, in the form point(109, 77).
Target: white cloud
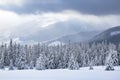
point(11, 2)
point(13, 25)
point(98, 22)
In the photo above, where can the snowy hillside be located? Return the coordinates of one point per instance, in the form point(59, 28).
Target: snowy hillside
point(77, 37)
point(115, 33)
point(110, 35)
point(83, 74)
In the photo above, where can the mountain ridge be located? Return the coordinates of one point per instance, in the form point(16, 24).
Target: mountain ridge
point(110, 35)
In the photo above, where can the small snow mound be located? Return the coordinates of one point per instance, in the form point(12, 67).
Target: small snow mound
point(115, 33)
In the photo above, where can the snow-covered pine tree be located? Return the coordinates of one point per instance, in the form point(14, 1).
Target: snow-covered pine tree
point(73, 64)
point(2, 57)
point(111, 60)
point(118, 49)
point(11, 67)
point(31, 56)
point(6, 56)
point(31, 65)
point(63, 58)
point(10, 51)
point(21, 60)
point(40, 63)
point(91, 64)
point(51, 58)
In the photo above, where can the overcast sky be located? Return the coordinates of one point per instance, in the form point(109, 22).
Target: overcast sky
point(20, 18)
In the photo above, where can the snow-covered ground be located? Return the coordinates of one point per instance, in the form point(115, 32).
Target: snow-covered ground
point(83, 74)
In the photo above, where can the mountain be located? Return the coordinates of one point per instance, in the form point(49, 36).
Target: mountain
point(110, 35)
point(51, 32)
point(77, 37)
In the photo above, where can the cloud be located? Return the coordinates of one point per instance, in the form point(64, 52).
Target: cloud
point(44, 26)
point(22, 25)
point(11, 2)
point(95, 7)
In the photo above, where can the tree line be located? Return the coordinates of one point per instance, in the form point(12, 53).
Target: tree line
point(68, 56)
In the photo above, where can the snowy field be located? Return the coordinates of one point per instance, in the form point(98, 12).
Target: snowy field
point(83, 74)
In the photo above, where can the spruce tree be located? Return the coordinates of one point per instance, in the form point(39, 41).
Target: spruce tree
point(40, 63)
point(73, 64)
point(111, 60)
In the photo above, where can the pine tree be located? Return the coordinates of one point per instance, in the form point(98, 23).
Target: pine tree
point(91, 64)
point(2, 57)
point(111, 60)
point(11, 50)
point(31, 65)
point(73, 64)
point(40, 63)
point(11, 65)
point(21, 59)
point(6, 56)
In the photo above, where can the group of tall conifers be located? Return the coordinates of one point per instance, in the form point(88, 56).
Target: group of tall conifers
point(68, 56)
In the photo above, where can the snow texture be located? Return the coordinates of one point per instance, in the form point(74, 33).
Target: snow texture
point(61, 74)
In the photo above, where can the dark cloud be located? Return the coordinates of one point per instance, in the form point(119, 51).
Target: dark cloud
point(96, 7)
